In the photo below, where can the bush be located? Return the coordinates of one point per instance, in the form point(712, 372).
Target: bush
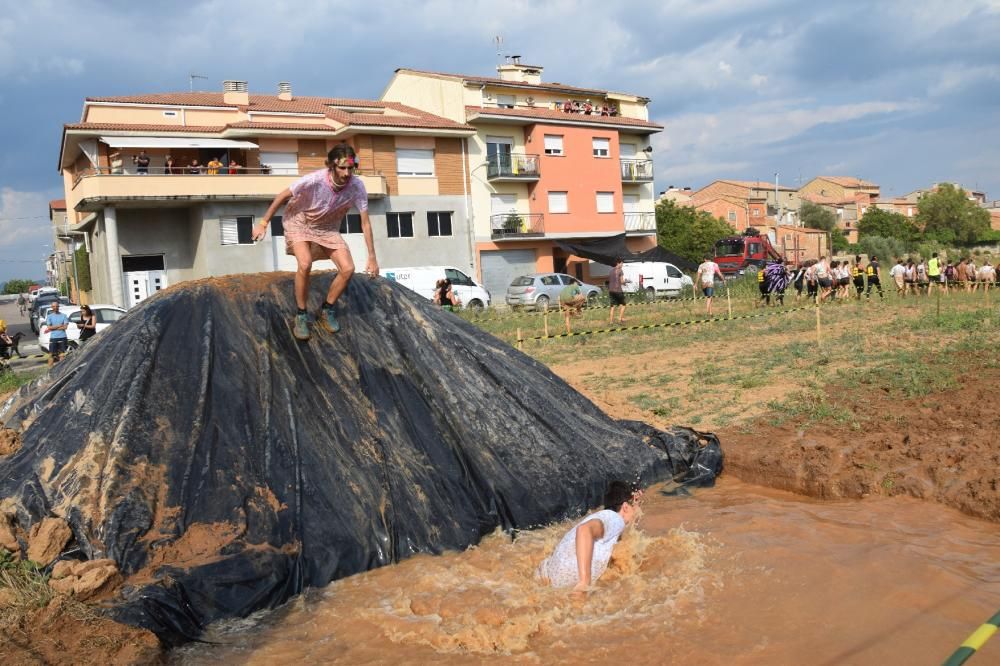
point(885, 248)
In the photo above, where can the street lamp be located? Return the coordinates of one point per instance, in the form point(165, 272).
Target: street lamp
point(76, 275)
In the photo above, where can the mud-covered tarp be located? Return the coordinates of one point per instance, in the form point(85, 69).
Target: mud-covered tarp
point(225, 466)
point(606, 250)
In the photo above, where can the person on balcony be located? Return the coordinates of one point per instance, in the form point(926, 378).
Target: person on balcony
point(234, 167)
point(194, 168)
point(141, 162)
point(168, 166)
point(317, 204)
point(214, 165)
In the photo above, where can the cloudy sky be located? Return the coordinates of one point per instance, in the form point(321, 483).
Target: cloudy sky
point(902, 93)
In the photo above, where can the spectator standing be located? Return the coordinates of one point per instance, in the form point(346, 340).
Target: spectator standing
point(141, 162)
point(616, 290)
point(898, 275)
point(56, 324)
point(194, 168)
point(168, 166)
point(707, 272)
point(234, 167)
point(88, 324)
point(214, 165)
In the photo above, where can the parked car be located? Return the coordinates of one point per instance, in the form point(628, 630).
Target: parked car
point(422, 279)
point(41, 304)
point(541, 290)
point(105, 314)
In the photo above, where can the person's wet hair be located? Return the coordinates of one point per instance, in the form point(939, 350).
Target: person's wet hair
point(339, 152)
point(618, 493)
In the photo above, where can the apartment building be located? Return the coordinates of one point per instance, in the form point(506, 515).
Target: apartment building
point(149, 227)
point(548, 162)
point(846, 197)
point(744, 203)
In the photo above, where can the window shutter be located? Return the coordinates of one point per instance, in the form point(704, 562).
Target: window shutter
point(605, 202)
point(230, 232)
point(557, 202)
point(414, 162)
point(601, 147)
point(554, 143)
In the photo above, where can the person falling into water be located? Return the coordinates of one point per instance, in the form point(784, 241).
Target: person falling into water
point(317, 204)
point(584, 552)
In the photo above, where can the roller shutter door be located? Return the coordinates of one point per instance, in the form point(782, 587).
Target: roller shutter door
point(500, 267)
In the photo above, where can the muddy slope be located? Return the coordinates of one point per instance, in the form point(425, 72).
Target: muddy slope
point(225, 466)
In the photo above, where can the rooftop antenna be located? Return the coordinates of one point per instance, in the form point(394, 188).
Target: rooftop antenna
point(498, 40)
point(192, 77)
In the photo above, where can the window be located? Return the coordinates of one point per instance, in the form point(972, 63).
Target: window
point(237, 230)
point(439, 224)
point(459, 278)
point(732, 216)
point(169, 114)
point(755, 212)
point(107, 315)
point(277, 226)
point(553, 144)
point(351, 224)
point(674, 272)
point(601, 147)
point(414, 162)
point(558, 203)
point(400, 225)
point(605, 202)
point(550, 281)
point(506, 101)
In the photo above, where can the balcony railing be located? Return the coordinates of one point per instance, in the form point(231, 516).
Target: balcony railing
point(637, 171)
point(93, 186)
point(512, 166)
point(517, 225)
point(640, 221)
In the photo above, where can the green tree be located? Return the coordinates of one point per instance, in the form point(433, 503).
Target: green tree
point(17, 286)
point(814, 216)
point(887, 224)
point(947, 215)
point(687, 231)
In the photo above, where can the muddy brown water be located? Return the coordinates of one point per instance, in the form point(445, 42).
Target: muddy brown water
point(736, 574)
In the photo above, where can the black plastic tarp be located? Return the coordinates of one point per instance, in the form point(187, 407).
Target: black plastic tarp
point(225, 466)
point(606, 250)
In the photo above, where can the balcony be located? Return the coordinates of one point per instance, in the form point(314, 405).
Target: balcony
point(517, 225)
point(95, 188)
point(637, 171)
point(640, 222)
point(512, 167)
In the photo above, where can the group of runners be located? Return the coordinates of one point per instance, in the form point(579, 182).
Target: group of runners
point(919, 277)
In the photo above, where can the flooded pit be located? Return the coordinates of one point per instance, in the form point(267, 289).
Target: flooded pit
point(737, 574)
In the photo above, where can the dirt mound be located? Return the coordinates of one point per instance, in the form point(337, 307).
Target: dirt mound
point(941, 447)
point(223, 466)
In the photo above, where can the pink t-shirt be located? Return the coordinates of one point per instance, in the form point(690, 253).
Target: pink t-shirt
point(312, 216)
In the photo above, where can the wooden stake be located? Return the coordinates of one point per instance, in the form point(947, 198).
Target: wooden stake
point(546, 322)
point(819, 336)
point(939, 306)
point(520, 340)
point(729, 302)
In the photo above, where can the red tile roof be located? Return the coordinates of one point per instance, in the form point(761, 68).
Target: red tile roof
point(338, 109)
point(759, 185)
point(551, 114)
point(187, 129)
point(848, 181)
point(57, 204)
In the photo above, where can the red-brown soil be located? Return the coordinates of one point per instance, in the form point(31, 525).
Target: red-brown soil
point(941, 447)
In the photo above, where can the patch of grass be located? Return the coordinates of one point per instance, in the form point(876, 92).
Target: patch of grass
point(644, 402)
point(906, 373)
point(26, 582)
point(665, 410)
point(811, 406)
point(888, 482)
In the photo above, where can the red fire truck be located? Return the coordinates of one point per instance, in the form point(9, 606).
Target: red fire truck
point(747, 252)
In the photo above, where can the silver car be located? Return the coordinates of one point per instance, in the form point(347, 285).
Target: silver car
point(541, 290)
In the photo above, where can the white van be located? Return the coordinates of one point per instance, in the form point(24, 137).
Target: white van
point(422, 280)
point(655, 278)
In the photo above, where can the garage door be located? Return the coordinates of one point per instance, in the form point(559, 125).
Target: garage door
point(500, 267)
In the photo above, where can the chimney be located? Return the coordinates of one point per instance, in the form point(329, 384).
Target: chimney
point(514, 71)
point(285, 91)
point(235, 92)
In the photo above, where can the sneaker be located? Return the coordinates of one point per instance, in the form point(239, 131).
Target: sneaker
point(329, 320)
point(300, 327)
